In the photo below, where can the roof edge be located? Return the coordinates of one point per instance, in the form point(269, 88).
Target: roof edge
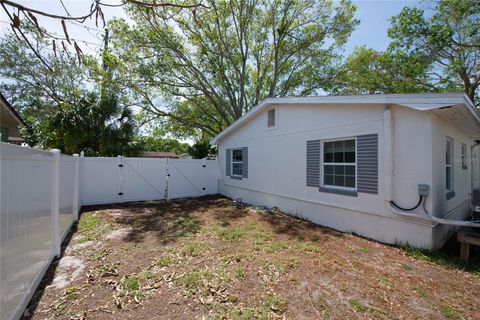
point(11, 109)
point(357, 99)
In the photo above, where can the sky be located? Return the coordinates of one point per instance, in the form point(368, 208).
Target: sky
point(374, 18)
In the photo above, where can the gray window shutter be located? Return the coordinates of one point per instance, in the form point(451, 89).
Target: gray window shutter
point(313, 163)
point(367, 163)
point(228, 163)
point(245, 162)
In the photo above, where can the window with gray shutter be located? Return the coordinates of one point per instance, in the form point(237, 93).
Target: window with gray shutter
point(313, 163)
point(228, 158)
point(367, 163)
point(237, 163)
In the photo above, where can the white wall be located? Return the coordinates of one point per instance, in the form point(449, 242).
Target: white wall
point(277, 160)
point(459, 206)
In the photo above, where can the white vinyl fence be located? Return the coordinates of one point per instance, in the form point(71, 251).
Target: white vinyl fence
point(38, 205)
point(41, 194)
point(122, 179)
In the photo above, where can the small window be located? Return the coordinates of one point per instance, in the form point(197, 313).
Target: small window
point(237, 159)
point(464, 156)
point(449, 165)
point(271, 118)
point(339, 164)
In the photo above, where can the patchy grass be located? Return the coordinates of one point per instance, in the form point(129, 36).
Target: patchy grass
point(357, 305)
point(194, 248)
point(165, 261)
point(306, 247)
point(443, 259)
point(91, 228)
point(449, 312)
point(407, 267)
point(194, 279)
point(202, 259)
point(384, 282)
point(275, 303)
point(247, 230)
point(278, 246)
point(240, 273)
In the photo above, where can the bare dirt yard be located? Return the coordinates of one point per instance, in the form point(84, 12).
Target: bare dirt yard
point(203, 259)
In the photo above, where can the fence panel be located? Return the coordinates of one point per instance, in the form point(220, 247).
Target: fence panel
point(191, 178)
point(143, 179)
point(67, 193)
point(212, 176)
point(25, 224)
point(100, 180)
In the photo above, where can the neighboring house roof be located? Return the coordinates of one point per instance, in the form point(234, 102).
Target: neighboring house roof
point(416, 101)
point(11, 110)
point(10, 122)
point(185, 156)
point(158, 154)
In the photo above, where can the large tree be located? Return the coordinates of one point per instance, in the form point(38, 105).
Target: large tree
point(367, 71)
point(450, 39)
point(201, 72)
point(63, 107)
point(27, 81)
point(97, 125)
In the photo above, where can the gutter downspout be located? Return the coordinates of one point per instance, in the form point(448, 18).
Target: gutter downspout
point(389, 156)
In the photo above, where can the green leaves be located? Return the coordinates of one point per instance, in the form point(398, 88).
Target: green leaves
point(367, 71)
point(449, 41)
point(97, 127)
point(215, 65)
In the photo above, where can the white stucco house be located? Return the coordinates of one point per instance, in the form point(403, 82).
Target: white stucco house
point(352, 162)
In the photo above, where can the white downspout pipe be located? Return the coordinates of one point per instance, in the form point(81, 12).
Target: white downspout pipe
point(389, 152)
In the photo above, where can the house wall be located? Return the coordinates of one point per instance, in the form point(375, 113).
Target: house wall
point(457, 207)
point(277, 161)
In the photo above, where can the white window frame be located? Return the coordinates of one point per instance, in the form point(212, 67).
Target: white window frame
point(464, 156)
point(323, 163)
point(449, 165)
point(275, 108)
point(233, 161)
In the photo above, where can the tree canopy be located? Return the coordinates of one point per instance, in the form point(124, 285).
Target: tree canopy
point(201, 72)
point(62, 105)
point(97, 125)
point(449, 40)
point(195, 69)
point(367, 71)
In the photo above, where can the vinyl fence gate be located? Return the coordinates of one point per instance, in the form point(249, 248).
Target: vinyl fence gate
point(123, 179)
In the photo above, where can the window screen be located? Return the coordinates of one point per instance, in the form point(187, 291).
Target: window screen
point(271, 118)
point(449, 164)
point(237, 159)
point(339, 163)
point(464, 156)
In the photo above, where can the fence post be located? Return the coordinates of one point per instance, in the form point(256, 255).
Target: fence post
point(167, 178)
point(76, 188)
point(56, 203)
point(120, 179)
point(204, 166)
